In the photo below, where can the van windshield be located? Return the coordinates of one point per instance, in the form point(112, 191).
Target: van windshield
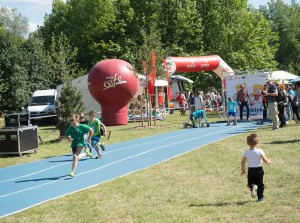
point(41, 100)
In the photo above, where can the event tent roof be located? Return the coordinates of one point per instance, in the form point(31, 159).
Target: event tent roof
point(282, 75)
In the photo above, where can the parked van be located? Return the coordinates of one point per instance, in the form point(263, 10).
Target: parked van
point(43, 105)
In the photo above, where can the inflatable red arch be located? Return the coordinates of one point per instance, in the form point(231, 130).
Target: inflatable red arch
point(200, 63)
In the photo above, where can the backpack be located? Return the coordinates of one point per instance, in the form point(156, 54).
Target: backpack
point(281, 96)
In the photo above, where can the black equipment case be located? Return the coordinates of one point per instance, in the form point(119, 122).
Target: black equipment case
point(18, 140)
point(16, 120)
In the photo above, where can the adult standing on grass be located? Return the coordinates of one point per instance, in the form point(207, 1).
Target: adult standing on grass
point(271, 95)
point(96, 125)
point(181, 102)
point(254, 157)
point(76, 132)
point(242, 99)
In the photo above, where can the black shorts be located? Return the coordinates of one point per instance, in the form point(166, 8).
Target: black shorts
point(77, 150)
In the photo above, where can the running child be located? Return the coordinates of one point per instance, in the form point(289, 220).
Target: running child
point(254, 157)
point(96, 125)
point(76, 133)
point(198, 115)
point(231, 109)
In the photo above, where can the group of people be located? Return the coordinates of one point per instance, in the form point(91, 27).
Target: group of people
point(85, 135)
point(281, 102)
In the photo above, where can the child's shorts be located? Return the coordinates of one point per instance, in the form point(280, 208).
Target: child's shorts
point(231, 114)
point(95, 140)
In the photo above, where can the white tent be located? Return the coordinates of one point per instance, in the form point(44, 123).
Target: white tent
point(282, 75)
point(92, 105)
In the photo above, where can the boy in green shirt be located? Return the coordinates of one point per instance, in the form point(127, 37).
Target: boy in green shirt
point(96, 125)
point(76, 133)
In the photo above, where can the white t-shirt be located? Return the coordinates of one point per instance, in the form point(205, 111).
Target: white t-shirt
point(254, 157)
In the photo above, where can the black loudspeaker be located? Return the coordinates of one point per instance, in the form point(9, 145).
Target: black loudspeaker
point(18, 140)
point(16, 120)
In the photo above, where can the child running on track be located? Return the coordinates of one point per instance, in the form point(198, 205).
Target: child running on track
point(76, 132)
point(231, 109)
point(197, 115)
point(96, 125)
point(254, 156)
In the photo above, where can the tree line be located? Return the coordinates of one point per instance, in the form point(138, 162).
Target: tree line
point(77, 34)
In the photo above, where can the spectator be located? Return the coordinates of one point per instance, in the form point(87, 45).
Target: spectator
point(271, 95)
point(181, 102)
point(242, 99)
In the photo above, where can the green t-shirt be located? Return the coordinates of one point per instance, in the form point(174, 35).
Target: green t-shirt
point(95, 125)
point(77, 134)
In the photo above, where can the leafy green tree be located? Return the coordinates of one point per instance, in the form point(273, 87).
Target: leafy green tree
point(64, 64)
point(14, 22)
point(38, 65)
point(12, 72)
point(285, 20)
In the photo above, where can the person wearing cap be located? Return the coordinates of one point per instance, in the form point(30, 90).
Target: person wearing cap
point(271, 93)
point(242, 98)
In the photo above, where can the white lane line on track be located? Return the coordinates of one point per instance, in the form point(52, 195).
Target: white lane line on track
point(40, 171)
point(118, 161)
point(117, 150)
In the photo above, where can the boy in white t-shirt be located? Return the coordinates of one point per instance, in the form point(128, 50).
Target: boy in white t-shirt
point(255, 176)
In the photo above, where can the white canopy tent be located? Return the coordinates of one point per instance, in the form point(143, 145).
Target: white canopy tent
point(282, 75)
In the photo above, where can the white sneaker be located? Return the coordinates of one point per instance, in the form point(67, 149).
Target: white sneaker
point(254, 190)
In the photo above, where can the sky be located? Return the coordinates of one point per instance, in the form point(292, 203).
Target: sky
point(35, 10)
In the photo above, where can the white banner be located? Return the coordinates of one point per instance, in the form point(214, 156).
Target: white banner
point(254, 83)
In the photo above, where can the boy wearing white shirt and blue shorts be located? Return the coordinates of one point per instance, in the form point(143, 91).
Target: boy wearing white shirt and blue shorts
point(254, 156)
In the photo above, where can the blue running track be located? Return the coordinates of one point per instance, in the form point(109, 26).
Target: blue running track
point(27, 185)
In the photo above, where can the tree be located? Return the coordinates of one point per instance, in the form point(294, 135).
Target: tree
point(70, 102)
point(14, 22)
point(64, 64)
point(12, 72)
point(285, 21)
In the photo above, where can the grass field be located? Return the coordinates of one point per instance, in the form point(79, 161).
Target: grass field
point(204, 185)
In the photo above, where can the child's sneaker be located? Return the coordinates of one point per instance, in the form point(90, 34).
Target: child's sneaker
point(234, 123)
point(228, 124)
point(71, 174)
point(88, 153)
point(253, 190)
point(102, 146)
point(262, 199)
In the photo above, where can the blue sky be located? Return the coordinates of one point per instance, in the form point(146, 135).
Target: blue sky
point(35, 10)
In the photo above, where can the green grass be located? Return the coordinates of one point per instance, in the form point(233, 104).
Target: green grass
point(204, 185)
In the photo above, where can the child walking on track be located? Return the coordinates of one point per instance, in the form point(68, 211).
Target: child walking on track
point(76, 133)
point(96, 125)
point(254, 157)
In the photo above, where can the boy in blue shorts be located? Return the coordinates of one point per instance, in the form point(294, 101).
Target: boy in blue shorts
point(96, 125)
point(197, 115)
point(231, 109)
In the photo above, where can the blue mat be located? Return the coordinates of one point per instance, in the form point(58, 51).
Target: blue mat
point(27, 185)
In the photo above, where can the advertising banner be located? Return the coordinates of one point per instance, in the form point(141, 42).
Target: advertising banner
point(254, 84)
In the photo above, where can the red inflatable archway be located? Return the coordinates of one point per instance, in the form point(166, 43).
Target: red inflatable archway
point(201, 63)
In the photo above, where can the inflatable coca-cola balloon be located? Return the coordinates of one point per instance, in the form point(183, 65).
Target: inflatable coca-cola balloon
point(112, 83)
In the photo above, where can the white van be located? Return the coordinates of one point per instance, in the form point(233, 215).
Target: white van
point(43, 105)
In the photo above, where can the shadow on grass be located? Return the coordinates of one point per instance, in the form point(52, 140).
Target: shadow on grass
point(284, 142)
point(222, 204)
